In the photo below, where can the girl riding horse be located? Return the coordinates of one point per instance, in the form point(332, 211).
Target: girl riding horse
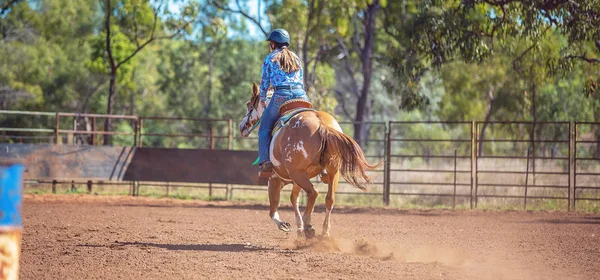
point(281, 70)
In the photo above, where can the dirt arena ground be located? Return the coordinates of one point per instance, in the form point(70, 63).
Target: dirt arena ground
point(98, 237)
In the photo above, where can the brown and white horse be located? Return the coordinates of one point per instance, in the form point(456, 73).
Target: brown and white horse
point(311, 142)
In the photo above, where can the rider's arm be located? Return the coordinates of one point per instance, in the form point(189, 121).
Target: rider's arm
point(264, 82)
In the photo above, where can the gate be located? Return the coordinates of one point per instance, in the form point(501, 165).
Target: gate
point(510, 156)
point(586, 162)
point(430, 159)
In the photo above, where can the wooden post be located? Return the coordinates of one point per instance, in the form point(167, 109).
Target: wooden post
point(454, 193)
point(230, 135)
point(93, 136)
point(526, 179)
point(473, 160)
point(388, 165)
point(211, 138)
point(89, 186)
point(141, 127)
point(56, 128)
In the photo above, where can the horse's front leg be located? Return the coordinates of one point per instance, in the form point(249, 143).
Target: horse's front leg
point(294, 199)
point(275, 185)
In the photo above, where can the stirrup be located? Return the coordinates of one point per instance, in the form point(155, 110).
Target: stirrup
point(265, 170)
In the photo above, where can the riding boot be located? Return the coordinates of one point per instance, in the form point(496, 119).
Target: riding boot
point(265, 169)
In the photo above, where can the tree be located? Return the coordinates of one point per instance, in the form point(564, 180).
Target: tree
point(142, 26)
point(432, 33)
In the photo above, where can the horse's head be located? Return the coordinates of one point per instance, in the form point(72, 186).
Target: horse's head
point(254, 110)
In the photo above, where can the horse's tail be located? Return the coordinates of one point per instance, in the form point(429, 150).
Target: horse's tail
point(343, 153)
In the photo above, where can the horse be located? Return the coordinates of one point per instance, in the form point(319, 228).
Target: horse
point(311, 142)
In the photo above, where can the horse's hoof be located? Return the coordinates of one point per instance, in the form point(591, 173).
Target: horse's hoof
point(300, 233)
point(309, 232)
point(285, 226)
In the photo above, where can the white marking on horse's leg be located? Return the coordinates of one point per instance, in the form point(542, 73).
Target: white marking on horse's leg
point(276, 219)
point(294, 198)
point(275, 162)
point(327, 222)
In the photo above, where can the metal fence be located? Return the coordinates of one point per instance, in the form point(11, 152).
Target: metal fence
point(428, 163)
point(586, 162)
point(422, 163)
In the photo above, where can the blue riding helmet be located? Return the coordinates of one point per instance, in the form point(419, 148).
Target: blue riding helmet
point(279, 36)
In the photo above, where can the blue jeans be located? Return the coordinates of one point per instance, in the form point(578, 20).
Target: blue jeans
point(270, 116)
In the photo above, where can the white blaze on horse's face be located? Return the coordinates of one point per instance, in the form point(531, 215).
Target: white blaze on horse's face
point(253, 114)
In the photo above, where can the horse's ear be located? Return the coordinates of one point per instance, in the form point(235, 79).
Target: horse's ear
point(255, 89)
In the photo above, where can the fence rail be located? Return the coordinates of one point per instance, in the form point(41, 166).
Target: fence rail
point(466, 162)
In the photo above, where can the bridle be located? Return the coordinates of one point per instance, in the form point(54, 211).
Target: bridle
point(247, 117)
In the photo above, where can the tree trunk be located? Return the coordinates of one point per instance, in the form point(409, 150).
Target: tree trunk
point(532, 135)
point(113, 73)
point(363, 106)
point(109, 107)
point(211, 69)
point(488, 117)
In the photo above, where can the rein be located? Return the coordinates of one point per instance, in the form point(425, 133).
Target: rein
point(254, 126)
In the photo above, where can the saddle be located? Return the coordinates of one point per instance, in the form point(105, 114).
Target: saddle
point(288, 110)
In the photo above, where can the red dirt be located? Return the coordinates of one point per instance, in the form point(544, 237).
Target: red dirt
point(92, 237)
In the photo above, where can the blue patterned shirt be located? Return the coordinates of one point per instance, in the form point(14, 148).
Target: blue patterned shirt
point(274, 76)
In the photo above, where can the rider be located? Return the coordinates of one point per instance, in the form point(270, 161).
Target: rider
point(282, 70)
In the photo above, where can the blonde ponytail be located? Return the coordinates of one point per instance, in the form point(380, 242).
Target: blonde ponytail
point(286, 60)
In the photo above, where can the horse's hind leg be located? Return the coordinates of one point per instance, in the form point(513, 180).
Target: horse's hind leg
point(301, 179)
point(294, 199)
point(275, 185)
point(334, 177)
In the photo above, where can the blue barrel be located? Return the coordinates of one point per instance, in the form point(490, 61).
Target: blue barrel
point(11, 223)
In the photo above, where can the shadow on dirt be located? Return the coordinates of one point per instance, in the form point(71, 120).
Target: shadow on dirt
point(579, 221)
point(184, 247)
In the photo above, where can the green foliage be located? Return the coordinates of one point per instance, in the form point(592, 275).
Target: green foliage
point(432, 60)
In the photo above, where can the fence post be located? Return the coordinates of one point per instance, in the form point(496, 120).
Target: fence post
point(92, 135)
point(575, 166)
point(454, 193)
point(230, 135)
point(228, 188)
point(89, 186)
point(211, 138)
point(54, 186)
point(73, 139)
point(569, 167)
point(526, 179)
point(388, 164)
point(56, 127)
point(135, 131)
point(141, 133)
point(476, 156)
point(473, 161)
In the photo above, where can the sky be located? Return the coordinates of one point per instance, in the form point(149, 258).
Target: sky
point(252, 10)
